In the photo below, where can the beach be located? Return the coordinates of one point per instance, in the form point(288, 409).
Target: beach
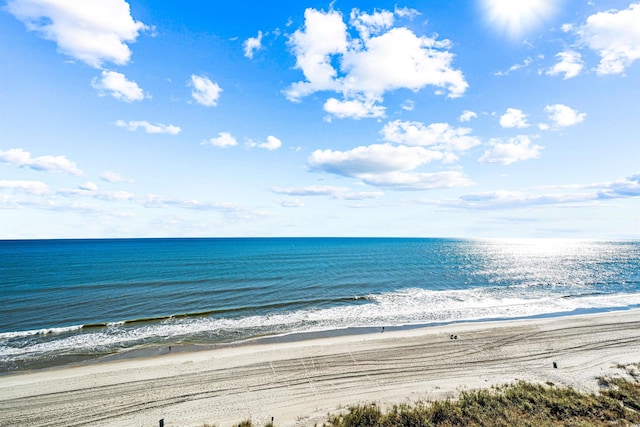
point(299, 382)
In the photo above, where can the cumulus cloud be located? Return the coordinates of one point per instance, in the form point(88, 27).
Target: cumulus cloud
point(354, 109)
point(205, 92)
point(271, 144)
point(467, 115)
point(371, 24)
point(252, 44)
point(570, 65)
point(21, 158)
point(440, 136)
point(28, 187)
point(408, 146)
point(514, 150)
point(148, 127)
point(615, 36)
point(92, 31)
point(387, 165)
point(377, 158)
point(563, 116)
point(384, 58)
point(118, 86)
point(223, 140)
point(514, 118)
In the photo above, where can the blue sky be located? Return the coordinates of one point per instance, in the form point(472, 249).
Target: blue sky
point(485, 118)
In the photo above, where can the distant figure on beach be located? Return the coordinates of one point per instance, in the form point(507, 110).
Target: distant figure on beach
point(382, 329)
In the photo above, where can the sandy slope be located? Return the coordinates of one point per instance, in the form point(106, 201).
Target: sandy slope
point(299, 382)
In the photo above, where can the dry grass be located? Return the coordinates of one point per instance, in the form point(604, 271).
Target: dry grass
point(517, 405)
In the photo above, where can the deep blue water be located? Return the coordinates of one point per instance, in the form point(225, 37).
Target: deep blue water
point(65, 300)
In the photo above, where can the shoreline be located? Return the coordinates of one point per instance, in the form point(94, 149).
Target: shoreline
point(157, 349)
point(299, 381)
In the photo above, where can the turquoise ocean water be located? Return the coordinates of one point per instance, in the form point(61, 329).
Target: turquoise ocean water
point(65, 301)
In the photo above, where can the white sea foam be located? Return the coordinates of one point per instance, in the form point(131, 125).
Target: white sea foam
point(404, 307)
point(45, 331)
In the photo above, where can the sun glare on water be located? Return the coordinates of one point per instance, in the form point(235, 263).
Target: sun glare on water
point(516, 18)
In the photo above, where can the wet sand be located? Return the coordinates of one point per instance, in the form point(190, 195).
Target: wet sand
point(299, 382)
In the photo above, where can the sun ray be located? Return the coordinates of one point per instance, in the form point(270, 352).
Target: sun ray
point(517, 18)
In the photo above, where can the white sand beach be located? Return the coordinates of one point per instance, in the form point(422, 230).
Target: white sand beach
point(299, 382)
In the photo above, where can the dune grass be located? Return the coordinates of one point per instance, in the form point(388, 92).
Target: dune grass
point(521, 404)
point(516, 405)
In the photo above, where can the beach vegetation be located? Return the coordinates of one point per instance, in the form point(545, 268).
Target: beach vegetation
point(520, 404)
point(515, 405)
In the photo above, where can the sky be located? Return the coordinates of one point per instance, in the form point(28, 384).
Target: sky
point(462, 119)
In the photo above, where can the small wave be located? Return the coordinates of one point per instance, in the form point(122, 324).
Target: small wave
point(405, 307)
point(44, 331)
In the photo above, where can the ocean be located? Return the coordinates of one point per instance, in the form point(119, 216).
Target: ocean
point(71, 301)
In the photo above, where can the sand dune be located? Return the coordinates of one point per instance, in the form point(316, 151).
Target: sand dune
point(298, 383)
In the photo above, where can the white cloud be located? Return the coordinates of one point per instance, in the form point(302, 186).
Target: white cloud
point(382, 59)
point(417, 181)
point(566, 28)
point(205, 92)
point(514, 118)
point(515, 67)
point(271, 144)
point(405, 12)
point(110, 176)
point(310, 190)
point(93, 31)
point(21, 158)
point(29, 187)
point(252, 44)
point(223, 140)
point(360, 195)
point(291, 203)
point(563, 116)
point(341, 193)
point(467, 115)
point(148, 127)
point(408, 105)
point(88, 186)
point(570, 64)
point(620, 188)
point(393, 166)
point(354, 109)
point(439, 136)
point(118, 86)
point(569, 196)
point(399, 59)
point(501, 199)
point(325, 34)
point(372, 159)
point(516, 149)
point(615, 36)
point(373, 24)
